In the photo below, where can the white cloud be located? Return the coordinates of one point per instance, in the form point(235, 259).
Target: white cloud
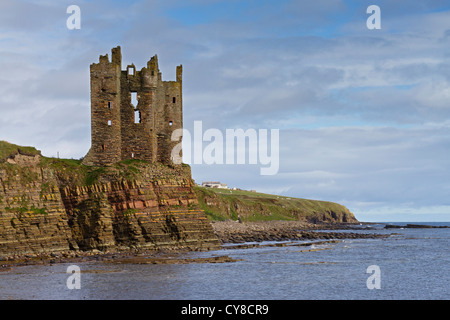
point(363, 115)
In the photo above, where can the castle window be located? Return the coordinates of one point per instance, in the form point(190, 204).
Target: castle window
point(132, 155)
point(134, 100)
point(130, 70)
point(109, 104)
point(174, 100)
point(170, 123)
point(109, 122)
point(137, 116)
point(153, 73)
point(103, 147)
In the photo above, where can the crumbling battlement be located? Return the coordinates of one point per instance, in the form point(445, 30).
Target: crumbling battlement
point(133, 113)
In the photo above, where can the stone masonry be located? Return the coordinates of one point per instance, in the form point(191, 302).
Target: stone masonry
point(133, 113)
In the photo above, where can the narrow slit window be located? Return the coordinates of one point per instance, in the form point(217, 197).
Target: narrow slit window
point(109, 122)
point(103, 147)
point(174, 99)
point(132, 155)
point(137, 116)
point(109, 104)
point(134, 100)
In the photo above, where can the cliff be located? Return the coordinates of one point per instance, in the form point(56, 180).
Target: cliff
point(224, 204)
point(56, 205)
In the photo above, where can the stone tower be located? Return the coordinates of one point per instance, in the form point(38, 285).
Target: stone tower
point(133, 113)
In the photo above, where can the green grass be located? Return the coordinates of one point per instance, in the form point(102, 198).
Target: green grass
point(8, 150)
point(93, 174)
point(31, 210)
point(254, 206)
point(244, 193)
point(89, 175)
point(63, 164)
point(232, 204)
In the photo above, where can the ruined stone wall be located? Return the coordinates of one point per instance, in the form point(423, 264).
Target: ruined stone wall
point(105, 110)
point(115, 132)
point(138, 120)
point(171, 109)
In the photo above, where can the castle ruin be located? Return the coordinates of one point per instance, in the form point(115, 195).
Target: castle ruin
point(133, 113)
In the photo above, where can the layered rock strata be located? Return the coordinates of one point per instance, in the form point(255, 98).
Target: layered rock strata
point(51, 205)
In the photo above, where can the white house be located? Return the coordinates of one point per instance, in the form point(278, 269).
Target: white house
point(214, 184)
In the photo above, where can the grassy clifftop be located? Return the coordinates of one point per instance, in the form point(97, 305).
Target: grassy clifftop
point(8, 150)
point(224, 204)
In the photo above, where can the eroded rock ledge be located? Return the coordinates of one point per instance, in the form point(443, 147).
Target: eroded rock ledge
point(235, 232)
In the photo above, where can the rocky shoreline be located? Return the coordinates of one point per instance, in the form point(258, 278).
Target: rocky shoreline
point(235, 232)
point(413, 226)
point(228, 232)
point(116, 257)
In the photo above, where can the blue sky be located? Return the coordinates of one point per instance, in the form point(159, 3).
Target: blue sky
point(364, 115)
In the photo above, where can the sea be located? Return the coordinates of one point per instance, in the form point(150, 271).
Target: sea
point(410, 264)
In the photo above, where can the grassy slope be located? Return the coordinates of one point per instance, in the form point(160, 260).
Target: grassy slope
point(7, 150)
point(223, 204)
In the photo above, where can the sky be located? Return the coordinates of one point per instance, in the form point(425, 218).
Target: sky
point(363, 114)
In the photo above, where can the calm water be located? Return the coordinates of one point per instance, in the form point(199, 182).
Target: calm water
point(413, 264)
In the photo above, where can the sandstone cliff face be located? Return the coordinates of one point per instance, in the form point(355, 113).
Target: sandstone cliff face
point(149, 213)
point(32, 215)
point(52, 205)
